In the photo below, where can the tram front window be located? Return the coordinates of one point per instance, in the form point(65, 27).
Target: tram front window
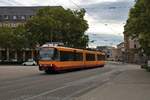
point(47, 54)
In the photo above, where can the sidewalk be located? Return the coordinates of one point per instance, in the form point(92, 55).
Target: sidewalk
point(131, 84)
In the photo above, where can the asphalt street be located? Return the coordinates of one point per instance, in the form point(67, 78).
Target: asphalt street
point(28, 83)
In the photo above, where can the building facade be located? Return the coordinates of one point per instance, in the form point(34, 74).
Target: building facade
point(132, 50)
point(111, 52)
point(121, 52)
point(14, 16)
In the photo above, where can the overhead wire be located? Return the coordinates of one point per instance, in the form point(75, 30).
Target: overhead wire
point(75, 4)
point(106, 25)
point(15, 2)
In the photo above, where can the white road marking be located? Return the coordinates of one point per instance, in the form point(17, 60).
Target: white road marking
point(45, 93)
point(72, 84)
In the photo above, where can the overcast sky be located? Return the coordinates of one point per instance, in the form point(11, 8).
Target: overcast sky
point(105, 17)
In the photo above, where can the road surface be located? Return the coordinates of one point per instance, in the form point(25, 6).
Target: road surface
point(27, 83)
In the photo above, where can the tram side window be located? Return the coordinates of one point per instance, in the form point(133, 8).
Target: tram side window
point(103, 57)
point(66, 56)
point(79, 57)
point(90, 57)
point(100, 57)
point(56, 55)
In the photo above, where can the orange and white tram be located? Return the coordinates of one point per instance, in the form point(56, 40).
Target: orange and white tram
point(57, 58)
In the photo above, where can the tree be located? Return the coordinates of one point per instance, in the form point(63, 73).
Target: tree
point(15, 38)
point(59, 25)
point(6, 37)
point(20, 38)
point(138, 24)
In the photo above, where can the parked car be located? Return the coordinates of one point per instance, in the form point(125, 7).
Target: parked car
point(30, 62)
point(13, 60)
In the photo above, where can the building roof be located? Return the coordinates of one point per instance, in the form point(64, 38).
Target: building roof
point(20, 10)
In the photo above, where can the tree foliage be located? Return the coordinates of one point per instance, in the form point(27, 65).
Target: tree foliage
point(138, 24)
point(6, 37)
point(14, 38)
point(59, 25)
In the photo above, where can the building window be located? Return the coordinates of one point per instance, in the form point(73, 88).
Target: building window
point(14, 17)
point(23, 17)
point(135, 46)
point(6, 17)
